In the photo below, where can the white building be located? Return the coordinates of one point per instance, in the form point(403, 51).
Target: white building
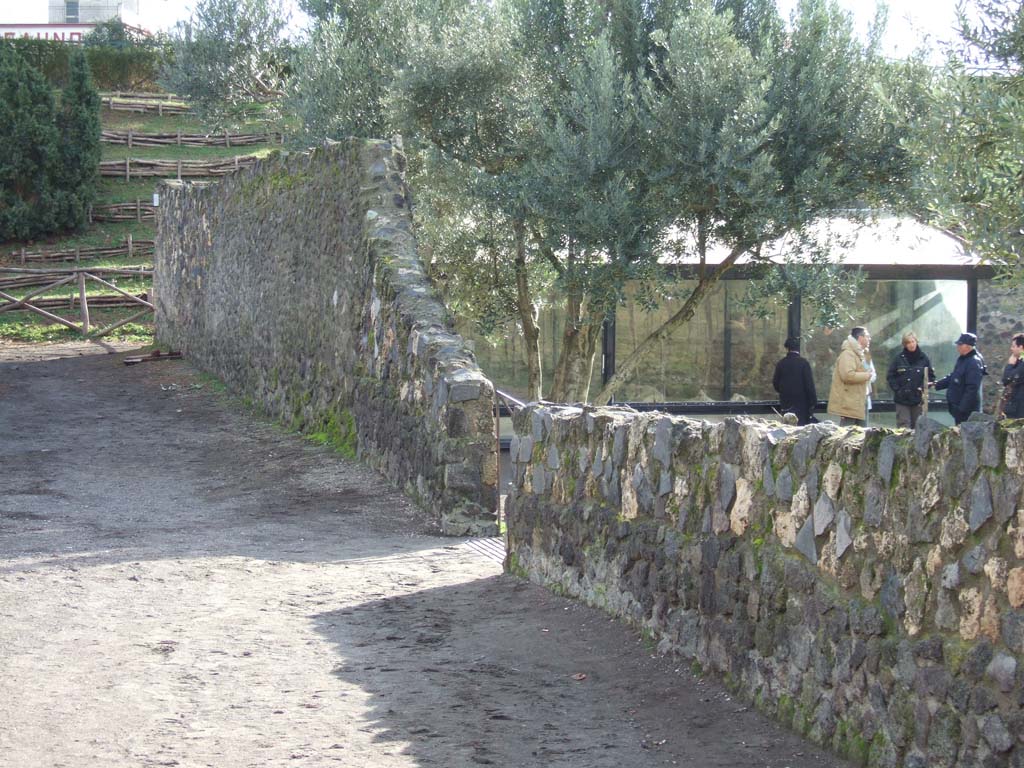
point(93, 11)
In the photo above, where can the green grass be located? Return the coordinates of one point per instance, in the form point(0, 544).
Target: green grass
point(97, 235)
point(111, 190)
point(30, 328)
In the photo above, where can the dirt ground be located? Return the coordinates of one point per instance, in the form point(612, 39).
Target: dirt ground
point(182, 584)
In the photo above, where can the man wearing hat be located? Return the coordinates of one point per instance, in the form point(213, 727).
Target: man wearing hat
point(964, 383)
point(795, 384)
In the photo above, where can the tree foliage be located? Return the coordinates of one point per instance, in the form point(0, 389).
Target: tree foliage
point(229, 53)
point(78, 123)
point(580, 144)
point(49, 169)
point(28, 164)
point(971, 143)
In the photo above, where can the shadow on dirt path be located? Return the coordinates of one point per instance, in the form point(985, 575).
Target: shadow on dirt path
point(182, 584)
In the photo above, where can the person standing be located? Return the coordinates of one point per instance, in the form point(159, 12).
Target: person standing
point(964, 383)
point(795, 383)
point(1012, 404)
point(909, 376)
point(847, 398)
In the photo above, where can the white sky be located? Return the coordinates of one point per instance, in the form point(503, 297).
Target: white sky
point(910, 21)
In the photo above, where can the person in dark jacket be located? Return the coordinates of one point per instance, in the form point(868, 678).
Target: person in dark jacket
point(795, 384)
point(964, 383)
point(1013, 380)
point(909, 375)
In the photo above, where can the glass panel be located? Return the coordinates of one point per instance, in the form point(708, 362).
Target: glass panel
point(936, 310)
point(755, 345)
point(689, 365)
point(503, 357)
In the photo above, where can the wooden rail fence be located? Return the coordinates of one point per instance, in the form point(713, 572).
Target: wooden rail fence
point(130, 248)
point(137, 211)
point(144, 105)
point(42, 307)
point(135, 167)
point(179, 139)
point(140, 96)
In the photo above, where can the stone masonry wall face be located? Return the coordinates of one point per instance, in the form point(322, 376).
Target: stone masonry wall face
point(298, 283)
point(1000, 316)
point(866, 588)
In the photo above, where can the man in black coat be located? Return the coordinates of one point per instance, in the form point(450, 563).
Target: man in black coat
point(908, 377)
point(964, 383)
point(1013, 380)
point(795, 384)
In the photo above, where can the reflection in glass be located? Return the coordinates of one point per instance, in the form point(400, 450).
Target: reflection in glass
point(935, 309)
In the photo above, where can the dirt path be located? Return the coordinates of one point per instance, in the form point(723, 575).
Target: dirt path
point(184, 585)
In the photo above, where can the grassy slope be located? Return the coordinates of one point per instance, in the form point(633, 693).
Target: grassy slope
point(27, 326)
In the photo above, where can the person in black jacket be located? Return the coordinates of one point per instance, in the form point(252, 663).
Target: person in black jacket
point(1013, 380)
point(964, 383)
point(909, 374)
point(795, 384)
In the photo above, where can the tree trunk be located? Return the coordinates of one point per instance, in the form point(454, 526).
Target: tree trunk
point(527, 316)
point(626, 368)
point(575, 363)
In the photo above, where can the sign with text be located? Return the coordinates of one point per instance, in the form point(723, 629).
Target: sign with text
point(66, 33)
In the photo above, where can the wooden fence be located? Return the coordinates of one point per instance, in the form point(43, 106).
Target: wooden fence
point(144, 106)
point(134, 167)
point(137, 211)
point(130, 248)
point(139, 96)
point(30, 302)
point(179, 139)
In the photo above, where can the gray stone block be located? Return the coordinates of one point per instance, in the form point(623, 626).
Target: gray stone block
point(805, 541)
point(784, 485)
point(981, 503)
point(886, 456)
point(843, 537)
point(1003, 671)
point(824, 513)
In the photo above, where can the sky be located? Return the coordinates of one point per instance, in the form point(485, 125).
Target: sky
point(910, 21)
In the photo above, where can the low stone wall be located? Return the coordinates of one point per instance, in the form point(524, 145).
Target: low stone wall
point(865, 587)
point(298, 283)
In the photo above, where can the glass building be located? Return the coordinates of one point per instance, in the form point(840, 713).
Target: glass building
point(721, 362)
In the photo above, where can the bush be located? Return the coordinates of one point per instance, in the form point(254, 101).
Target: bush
point(28, 164)
point(112, 68)
point(49, 167)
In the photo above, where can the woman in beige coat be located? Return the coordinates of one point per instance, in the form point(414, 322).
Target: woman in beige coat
point(848, 397)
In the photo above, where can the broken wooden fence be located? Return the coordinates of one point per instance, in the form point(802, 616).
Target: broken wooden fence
point(40, 306)
point(130, 248)
point(135, 167)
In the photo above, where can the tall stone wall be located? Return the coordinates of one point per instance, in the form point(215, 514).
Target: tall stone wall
point(866, 588)
point(298, 283)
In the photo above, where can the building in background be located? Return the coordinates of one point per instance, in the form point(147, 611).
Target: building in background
point(93, 11)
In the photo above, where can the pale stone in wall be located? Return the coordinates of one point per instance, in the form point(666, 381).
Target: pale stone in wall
point(970, 613)
point(1015, 587)
point(997, 569)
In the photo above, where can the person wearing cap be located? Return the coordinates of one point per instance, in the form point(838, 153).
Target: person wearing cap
point(794, 382)
point(964, 383)
point(851, 378)
point(908, 376)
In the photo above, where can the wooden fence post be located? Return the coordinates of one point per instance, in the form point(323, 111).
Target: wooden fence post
point(138, 209)
point(23, 256)
point(127, 169)
point(129, 138)
point(90, 213)
point(227, 138)
point(131, 248)
point(179, 169)
point(160, 108)
point(84, 302)
point(179, 137)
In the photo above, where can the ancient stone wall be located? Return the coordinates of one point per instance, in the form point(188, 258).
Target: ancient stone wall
point(865, 587)
point(298, 283)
